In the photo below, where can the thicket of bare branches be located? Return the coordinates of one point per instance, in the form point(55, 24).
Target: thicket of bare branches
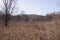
point(9, 7)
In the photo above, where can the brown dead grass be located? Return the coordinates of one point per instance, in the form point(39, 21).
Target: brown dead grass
point(30, 31)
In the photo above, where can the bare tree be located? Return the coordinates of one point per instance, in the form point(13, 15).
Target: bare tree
point(9, 7)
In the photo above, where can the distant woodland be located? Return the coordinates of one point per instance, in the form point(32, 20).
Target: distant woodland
point(31, 18)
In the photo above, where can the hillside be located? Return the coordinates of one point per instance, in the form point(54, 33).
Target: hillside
point(32, 18)
point(31, 27)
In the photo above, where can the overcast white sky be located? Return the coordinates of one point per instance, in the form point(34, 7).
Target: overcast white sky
point(40, 7)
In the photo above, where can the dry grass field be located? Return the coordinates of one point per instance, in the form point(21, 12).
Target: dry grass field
point(30, 31)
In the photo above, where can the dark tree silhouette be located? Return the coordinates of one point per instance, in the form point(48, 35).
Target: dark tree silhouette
point(9, 6)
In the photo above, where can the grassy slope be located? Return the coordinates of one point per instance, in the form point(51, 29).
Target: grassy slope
point(30, 31)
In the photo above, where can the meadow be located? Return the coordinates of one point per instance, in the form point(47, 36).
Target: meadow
point(30, 31)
